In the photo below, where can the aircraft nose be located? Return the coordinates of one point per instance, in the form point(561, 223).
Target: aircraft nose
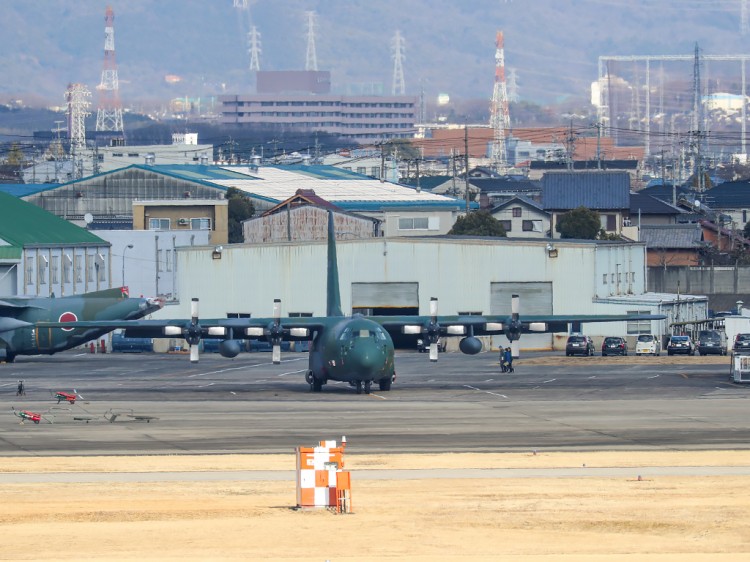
point(366, 362)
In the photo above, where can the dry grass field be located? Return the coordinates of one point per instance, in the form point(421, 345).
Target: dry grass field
point(664, 518)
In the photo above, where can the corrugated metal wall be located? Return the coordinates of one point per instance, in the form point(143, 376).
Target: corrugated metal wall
point(460, 273)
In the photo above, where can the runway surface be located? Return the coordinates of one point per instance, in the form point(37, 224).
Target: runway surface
point(164, 404)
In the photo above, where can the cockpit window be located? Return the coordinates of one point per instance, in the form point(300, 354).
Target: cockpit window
point(346, 335)
point(363, 333)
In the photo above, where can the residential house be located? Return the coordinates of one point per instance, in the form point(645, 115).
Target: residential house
point(523, 217)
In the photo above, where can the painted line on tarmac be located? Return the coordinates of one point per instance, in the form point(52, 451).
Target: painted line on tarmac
point(486, 391)
point(551, 380)
point(654, 377)
point(219, 371)
point(291, 372)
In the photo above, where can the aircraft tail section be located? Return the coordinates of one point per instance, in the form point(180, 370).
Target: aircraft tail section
point(114, 293)
point(333, 300)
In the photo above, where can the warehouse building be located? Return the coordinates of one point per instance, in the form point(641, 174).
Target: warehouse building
point(468, 275)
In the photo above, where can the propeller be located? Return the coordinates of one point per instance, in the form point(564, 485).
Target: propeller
point(276, 332)
point(193, 332)
point(433, 330)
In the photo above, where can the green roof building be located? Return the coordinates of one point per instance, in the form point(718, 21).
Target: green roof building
point(42, 254)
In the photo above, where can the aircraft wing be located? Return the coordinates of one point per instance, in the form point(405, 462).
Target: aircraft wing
point(8, 324)
point(512, 325)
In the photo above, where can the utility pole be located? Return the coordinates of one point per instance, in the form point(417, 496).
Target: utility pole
point(466, 161)
point(598, 146)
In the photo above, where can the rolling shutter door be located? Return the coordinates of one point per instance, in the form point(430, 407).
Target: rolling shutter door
point(385, 295)
point(535, 298)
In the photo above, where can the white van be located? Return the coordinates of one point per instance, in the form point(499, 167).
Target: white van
point(648, 344)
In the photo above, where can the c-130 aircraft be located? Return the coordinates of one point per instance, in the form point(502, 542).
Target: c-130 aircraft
point(21, 332)
point(356, 349)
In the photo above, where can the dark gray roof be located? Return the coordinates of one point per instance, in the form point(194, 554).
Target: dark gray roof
point(731, 194)
point(505, 185)
point(672, 236)
point(648, 205)
point(519, 199)
point(594, 190)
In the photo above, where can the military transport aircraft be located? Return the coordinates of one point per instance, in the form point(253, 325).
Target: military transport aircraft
point(20, 318)
point(355, 349)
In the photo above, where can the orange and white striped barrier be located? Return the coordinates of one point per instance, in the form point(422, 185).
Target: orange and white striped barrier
point(321, 480)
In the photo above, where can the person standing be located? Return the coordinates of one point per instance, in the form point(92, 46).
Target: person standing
point(508, 360)
point(21, 389)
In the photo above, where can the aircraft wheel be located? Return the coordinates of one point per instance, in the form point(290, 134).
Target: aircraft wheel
point(10, 357)
point(36, 422)
point(385, 384)
point(368, 387)
point(359, 387)
point(317, 385)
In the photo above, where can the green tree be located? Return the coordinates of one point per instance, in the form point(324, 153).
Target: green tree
point(478, 223)
point(579, 223)
point(240, 208)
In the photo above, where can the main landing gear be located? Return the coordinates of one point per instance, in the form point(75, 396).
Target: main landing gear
point(367, 385)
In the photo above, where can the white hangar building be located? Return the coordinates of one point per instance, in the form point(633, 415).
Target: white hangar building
point(400, 275)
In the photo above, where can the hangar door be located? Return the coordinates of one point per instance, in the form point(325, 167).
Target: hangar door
point(535, 298)
point(383, 299)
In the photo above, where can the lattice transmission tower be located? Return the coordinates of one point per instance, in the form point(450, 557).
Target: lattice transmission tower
point(311, 61)
point(76, 97)
point(397, 46)
point(253, 39)
point(109, 112)
point(499, 114)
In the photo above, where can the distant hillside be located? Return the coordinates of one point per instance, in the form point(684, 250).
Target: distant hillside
point(552, 44)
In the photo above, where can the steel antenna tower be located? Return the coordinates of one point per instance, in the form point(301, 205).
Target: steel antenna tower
point(76, 95)
point(253, 38)
point(311, 62)
point(499, 115)
point(109, 112)
point(397, 46)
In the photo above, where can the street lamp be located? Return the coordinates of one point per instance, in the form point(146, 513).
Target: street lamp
point(125, 249)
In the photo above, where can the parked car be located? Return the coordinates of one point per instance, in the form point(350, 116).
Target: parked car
point(742, 343)
point(614, 346)
point(423, 344)
point(578, 344)
point(648, 344)
point(712, 341)
point(680, 344)
point(130, 345)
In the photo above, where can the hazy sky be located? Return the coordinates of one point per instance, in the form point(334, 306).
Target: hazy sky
point(553, 45)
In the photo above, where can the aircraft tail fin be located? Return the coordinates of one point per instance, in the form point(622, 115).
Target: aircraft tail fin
point(333, 307)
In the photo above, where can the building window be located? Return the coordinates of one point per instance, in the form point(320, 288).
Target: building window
point(67, 269)
point(516, 211)
point(470, 313)
point(639, 326)
point(239, 315)
point(29, 270)
point(419, 223)
point(361, 170)
point(507, 225)
point(158, 224)
point(42, 270)
point(159, 258)
point(200, 224)
point(300, 314)
point(55, 270)
point(532, 226)
point(89, 268)
point(608, 222)
point(79, 271)
point(375, 172)
point(604, 279)
point(101, 270)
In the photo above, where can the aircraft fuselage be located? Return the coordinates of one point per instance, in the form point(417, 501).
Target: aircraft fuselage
point(29, 339)
point(355, 350)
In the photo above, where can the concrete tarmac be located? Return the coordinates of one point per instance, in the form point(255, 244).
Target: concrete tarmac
point(163, 404)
